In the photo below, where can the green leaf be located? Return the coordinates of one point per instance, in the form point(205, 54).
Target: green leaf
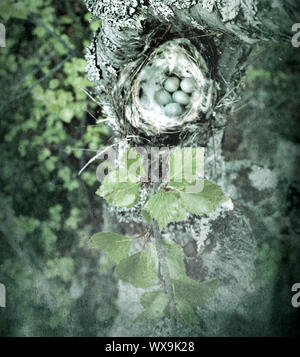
point(146, 215)
point(204, 202)
point(175, 259)
point(121, 194)
point(54, 83)
point(67, 115)
point(15, 10)
point(132, 165)
point(186, 164)
point(188, 187)
point(165, 207)
point(195, 292)
point(186, 311)
point(154, 303)
point(116, 245)
point(139, 269)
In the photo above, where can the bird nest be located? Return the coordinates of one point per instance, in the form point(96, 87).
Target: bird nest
point(165, 90)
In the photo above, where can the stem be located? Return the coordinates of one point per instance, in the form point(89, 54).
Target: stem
point(165, 274)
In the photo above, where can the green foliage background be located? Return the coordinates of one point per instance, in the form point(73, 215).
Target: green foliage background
point(46, 210)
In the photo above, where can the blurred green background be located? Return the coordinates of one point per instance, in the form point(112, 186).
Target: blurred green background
point(47, 211)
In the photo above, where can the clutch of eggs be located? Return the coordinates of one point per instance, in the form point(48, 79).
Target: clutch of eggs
point(175, 95)
point(171, 89)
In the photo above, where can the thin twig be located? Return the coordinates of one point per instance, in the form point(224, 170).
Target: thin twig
point(47, 75)
point(89, 196)
point(165, 274)
point(36, 21)
point(90, 96)
point(164, 269)
point(95, 158)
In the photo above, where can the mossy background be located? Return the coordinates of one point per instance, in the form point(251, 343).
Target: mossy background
point(55, 285)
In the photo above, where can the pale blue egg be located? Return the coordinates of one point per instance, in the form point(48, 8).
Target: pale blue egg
point(172, 84)
point(173, 110)
point(181, 97)
point(162, 97)
point(188, 85)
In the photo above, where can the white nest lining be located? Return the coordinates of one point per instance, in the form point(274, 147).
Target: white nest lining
point(169, 59)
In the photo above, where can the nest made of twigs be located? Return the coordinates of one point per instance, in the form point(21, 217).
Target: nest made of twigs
point(178, 57)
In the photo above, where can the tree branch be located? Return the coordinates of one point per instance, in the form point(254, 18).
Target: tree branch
point(37, 22)
point(164, 270)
